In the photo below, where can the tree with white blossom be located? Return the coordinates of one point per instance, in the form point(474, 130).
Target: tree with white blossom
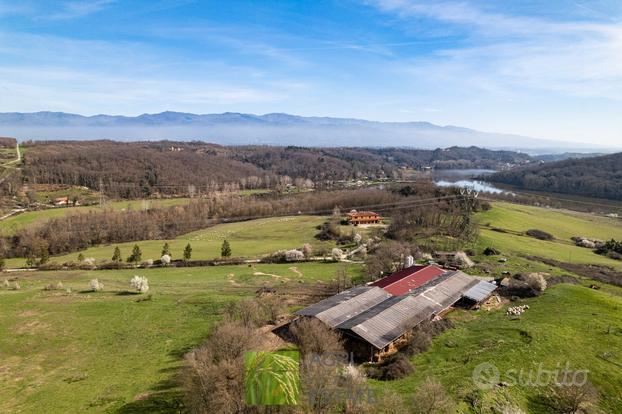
point(96, 285)
point(140, 283)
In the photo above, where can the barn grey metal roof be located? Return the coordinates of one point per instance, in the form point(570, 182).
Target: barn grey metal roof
point(480, 291)
point(346, 305)
point(387, 321)
point(376, 316)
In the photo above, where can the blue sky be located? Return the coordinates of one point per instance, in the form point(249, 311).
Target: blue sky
point(549, 69)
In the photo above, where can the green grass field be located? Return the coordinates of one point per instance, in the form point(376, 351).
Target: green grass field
point(248, 239)
point(11, 224)
point(563, 224)
point(107, 352)
point(568, 323)
point(560, 223)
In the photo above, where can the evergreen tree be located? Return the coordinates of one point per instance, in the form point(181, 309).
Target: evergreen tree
point(225, 250)
point(166, 249)
point(80, 257)
point(116, 256)
point(187, 252)
point(136, 256)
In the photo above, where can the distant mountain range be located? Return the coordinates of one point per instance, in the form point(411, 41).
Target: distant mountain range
point(270, 129)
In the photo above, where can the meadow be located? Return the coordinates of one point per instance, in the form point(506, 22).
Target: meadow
point(11, 224)
point(250, 239)
point(563, 224)
point(514, 220)
point(110, 351)
point(569, 324)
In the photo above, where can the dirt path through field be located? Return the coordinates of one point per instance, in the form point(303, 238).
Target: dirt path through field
point(286, 279)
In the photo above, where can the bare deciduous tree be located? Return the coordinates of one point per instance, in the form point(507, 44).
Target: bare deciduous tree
point(431, 398)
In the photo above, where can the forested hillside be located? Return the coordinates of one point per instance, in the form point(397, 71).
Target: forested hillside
point(138, 169)
point(590, 177)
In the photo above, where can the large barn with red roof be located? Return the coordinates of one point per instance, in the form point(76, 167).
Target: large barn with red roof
point(375, 317)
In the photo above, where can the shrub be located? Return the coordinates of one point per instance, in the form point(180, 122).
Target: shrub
point(315, 338)
point(539, 234)
point(388, 403)
point(611, 245)
point(357, 238)
point(462, 261)
point(571, 398)
point(95, 285)
point(394, 367)
point(536, 281)
point(520, 287)
point(383, 257)
point(307, 250)
point(431, 398)
point(54, 286)
point(491, 251)
point(51, 266)
point(336, 254)
point(213, 377)
point(165, 260)
point(294, 255)
point(423, 334)
point(140, 283)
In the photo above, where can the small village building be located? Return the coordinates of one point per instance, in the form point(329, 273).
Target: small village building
point(363, 217)
point(377, 319)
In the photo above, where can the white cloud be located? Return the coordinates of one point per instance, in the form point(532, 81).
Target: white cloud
point(58, 73)
point(505, 52)
point(62, 10)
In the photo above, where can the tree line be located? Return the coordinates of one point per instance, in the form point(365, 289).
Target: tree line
point(77, 232)
point(141, 169)
point(590, 177)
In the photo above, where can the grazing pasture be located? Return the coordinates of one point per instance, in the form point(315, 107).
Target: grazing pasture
point(115, 351)
point(251, 239)
point(504, 227)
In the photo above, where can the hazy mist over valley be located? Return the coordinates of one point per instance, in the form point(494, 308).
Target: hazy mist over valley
point(269, 129)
